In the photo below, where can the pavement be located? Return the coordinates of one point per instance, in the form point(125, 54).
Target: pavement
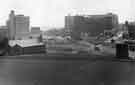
point(78, 70)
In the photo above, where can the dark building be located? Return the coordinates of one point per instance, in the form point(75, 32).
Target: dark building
point(3, 31)
point(26, 48)
point(19, 50)
point(92, 25)
point(4, 47)
point(122, 51)
point(131, 30)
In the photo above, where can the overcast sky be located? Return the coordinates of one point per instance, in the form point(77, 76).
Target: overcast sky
point(51, 12)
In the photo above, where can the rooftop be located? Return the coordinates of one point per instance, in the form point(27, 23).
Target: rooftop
point(24, 43)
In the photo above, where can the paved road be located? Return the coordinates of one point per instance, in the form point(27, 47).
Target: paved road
point(66, 72)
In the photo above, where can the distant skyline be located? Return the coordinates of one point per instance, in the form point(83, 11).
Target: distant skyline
point(50, 13)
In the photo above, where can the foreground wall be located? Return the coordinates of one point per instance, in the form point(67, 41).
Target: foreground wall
point(66, 72)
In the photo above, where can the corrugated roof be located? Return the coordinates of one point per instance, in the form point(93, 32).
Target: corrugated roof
point(24, 43)
point(29, 44)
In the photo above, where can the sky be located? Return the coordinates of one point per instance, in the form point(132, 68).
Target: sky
point(50, 13)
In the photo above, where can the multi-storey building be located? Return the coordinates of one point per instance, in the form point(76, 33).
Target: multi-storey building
point(17, 24)
point(21, 24)
point(92, 25)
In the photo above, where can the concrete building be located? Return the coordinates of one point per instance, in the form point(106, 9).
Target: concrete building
point(18, 27)
point(93, 25)
point(21, 24)
point(25, 36)
point(3, 31)
point(34, 34)
point(11, 25)
point(17, 24)
point(29, 46)
point(131, 30)
point(22, 36)
point(35, 30)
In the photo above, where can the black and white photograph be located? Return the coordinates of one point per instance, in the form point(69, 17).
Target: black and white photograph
point(67, 42)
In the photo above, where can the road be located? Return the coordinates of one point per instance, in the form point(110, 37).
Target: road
point(66, 72)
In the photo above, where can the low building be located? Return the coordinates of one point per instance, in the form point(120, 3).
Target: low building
point(35, 30)
point(21, 47)
point(22, 36)
point(25, 36)
point(59, 47)
point(33, 34)
point(3, 31)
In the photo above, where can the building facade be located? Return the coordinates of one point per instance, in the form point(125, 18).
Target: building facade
point(131, 31)
point(17, 24)
point(11, 25)
point(92, 25)
point(35, 30)
point(3, 31)
point(29, 46)
point(21, 24)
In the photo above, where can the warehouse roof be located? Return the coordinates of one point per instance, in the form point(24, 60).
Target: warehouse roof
point(24, 43)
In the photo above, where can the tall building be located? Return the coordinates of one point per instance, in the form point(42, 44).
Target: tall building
point(17, 24)
point(92, 25)
point(21, 24)
point(11, 25)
